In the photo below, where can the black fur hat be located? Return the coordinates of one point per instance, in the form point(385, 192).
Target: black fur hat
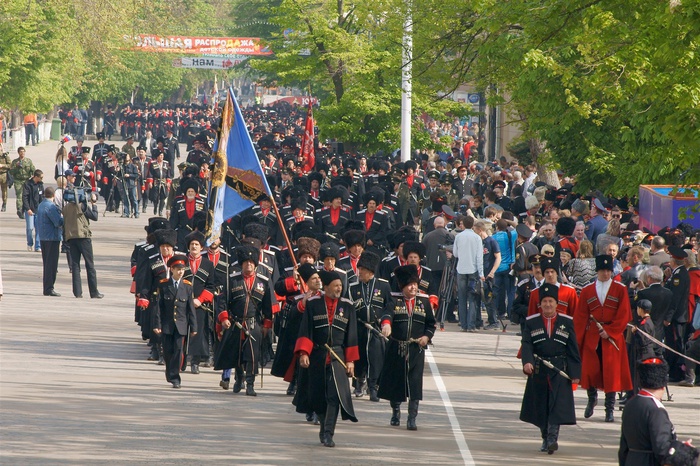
point(406, 274)
point(328, 277)
point(369, 260)
point(188, 183)
point(354, 237)
point(298, 203)
point(566, 226)
point(156, 223)
point(402, 235)
point(374, 194)
point(305, 228)
point(258, 231)
point(329, 249)
point(413, 246)
point(604, 262)
point(166, 236)
point(653, 373)
point(336, 192)
point(549, 291)
point(247, 253)
point(315, 176)
point(196, 236)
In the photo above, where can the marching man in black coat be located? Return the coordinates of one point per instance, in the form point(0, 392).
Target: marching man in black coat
point(549, 338)
point(174, 315)
point(248, 318)
point(373, 303)
point(201, 273)
point(411, 326)
point(647, 431)
point(327, 346)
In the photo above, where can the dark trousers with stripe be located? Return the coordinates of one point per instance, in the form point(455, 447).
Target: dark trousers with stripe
point(172, 354)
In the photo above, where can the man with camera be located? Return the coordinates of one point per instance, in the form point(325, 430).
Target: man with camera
point(77, 215)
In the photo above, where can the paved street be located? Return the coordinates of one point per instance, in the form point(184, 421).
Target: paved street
point(76, 388)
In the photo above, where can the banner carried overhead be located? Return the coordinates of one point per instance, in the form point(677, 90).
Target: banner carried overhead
point(207, 63)
point(200, 45)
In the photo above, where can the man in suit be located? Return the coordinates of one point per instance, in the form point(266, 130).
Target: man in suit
point(175, 314)
point(149, 142)
point(660, 298)
point(433, 242)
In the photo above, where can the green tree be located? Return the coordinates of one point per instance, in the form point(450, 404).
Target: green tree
point(610, 88)
point(349, 54)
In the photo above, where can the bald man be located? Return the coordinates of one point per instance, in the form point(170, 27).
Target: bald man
point(435, 254)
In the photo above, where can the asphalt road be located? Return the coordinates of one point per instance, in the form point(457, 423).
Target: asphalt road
point(76, 388)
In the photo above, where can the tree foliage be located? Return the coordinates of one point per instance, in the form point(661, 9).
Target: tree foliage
point(60, 51)
point(611, 88)
point(349, 55)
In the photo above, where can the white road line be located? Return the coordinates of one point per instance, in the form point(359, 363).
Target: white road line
point(456, 429)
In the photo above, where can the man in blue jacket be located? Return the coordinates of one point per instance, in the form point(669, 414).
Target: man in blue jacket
point(49, 224)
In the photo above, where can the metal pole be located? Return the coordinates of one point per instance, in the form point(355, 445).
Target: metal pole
point(406, 83)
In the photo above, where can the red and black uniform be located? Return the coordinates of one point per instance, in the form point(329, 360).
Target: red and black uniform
point(603, 366)
point(331, 221)
point(566, 303)
point(182, 218)
point(250, 302)
point(200, 272)
point(158, 184)
point(332, 322)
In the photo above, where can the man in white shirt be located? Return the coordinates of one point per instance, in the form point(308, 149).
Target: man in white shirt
point(469, 250)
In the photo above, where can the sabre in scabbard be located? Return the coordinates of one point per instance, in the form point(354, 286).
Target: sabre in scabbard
point(551, 366)
point(371, 328)
point(337, 358)
point(244, 330)
point(600, 329)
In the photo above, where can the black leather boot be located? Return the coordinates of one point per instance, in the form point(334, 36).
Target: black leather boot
point(543, 431)
point(373, 394)
point(329, 424)
point(322, 430)
point(238, 381)
point(552, 438)
point(292, 388)
point(161, 360)
point(395, 413)
point(609, 407)
point(360, 387)
point(412, 414)
point(250, 385)
point(592, 402)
